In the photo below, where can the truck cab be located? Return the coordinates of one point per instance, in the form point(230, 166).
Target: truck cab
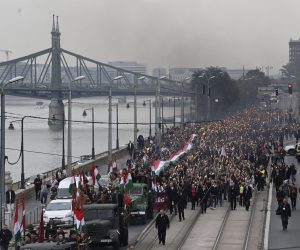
point(139, 207)
point(106, 225)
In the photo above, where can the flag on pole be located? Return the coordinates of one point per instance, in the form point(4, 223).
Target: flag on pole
point(41, 229)
point(17, 228)
point(23, 215)
point(129, 183)
point(127, 198)
point(95, 174)
point(79, 212)
point(79, 217)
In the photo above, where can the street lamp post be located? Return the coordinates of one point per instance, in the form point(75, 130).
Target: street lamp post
point(182, 100)
point(208, 94)
point(117, 121)
point(93, 130)
point(157, 110)
point(2, 148)
point(22, 154)
point(69, 156)
point(110, 119)
point(162, 115)
point(174, 119)
point(150, 110)
point(63, 163)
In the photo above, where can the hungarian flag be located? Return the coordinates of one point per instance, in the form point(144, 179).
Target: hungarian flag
point(72, 183)
point(152, 171)
point(129, 183)
point(41, 229)
point(79, 217)
point(113, 167)
point(127, 198)
point(23, 215)
point(17, 228)
point(95, 174)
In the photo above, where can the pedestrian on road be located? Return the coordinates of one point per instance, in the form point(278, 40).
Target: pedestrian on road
point(194, 196)
point(232, 194)
point(10, 199)
point(293, 195)
point(247, 194)
point(181, 204)
point(285, 213)
point(44, 193)
point(172, 197)
point(130, 148)
point(162, 223)
point(5, 237)
point(37, 186)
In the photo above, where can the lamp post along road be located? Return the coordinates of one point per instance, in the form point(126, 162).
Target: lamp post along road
point(158, 111)
point(69, 156)
point(135, 114)
point(117, 121)
point(110, 119)
point(63, 163)
point(150, 118)
point(182, 100)
point(93, 130)
point(208, 94)
point(2, 149)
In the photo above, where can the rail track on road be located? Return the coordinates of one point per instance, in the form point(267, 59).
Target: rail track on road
point(176, 235)
point(235, 230)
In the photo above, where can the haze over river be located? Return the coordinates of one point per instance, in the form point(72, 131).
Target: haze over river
point(45, 145)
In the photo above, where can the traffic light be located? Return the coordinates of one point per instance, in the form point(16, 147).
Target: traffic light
point(290, 86)
point(276, 91)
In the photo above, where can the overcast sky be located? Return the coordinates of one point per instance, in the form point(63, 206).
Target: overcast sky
point(175, 33)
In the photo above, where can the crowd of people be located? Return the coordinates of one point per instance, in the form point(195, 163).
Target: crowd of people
point(229, 158)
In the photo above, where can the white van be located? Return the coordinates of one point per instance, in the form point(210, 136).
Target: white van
point(63, 187)
point(60, 210)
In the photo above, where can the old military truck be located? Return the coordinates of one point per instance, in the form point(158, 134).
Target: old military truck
point(106, 225)
point(139, 207)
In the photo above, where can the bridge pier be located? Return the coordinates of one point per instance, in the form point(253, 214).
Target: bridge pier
point(56, 113)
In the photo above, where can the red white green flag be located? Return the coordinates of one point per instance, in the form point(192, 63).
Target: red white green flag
point(17, 228)
point(95, 174)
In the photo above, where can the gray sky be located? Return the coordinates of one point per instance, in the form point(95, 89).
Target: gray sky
point(179, 33)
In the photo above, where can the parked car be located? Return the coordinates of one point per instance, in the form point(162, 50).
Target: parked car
point(61, 211)
point(291, 148)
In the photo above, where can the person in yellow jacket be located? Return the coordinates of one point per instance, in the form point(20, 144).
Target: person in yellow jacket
point(242, 194)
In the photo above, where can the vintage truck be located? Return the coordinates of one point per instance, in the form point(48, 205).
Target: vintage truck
point(106, 225)
point(141, 202)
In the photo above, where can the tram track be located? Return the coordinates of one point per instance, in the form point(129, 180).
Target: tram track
point(231, 219)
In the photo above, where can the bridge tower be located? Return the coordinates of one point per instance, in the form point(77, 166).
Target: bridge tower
point(56, 106)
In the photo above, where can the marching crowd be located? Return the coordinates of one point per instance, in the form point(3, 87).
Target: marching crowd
point(229, 158)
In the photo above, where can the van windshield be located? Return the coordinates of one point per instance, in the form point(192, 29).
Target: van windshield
point(63, 193)
point(59, 206)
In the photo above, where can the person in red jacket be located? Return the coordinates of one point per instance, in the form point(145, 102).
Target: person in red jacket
point(194, 196)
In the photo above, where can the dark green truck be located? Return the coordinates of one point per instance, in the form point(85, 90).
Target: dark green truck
point(141, 202)
point(106, 225)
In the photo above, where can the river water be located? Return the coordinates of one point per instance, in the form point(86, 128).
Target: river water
point(43, 146)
